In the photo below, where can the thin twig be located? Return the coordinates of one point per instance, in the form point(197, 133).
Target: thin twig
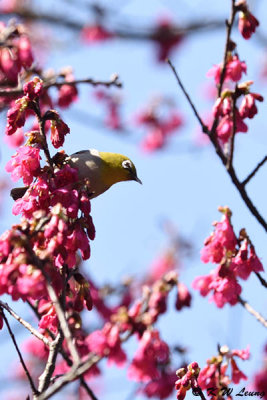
point(34, 390)
point(232, 140)
point(229, 24)
point(44, 379)
point(261, 279)
point(204, 127)
point(114, 81)
point(26, 324)
point(198, 392)
point(87, 388)
point(255, 170)
point(253, 312)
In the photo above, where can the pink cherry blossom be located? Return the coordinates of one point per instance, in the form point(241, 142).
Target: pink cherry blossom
point(106, 342)
point(246, 261)
point(247, 24)
point(24, 164)
point(151, 351)
point(221, 241)
point(183, 298)
point(248, 107)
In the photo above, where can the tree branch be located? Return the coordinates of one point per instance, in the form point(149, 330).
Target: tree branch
point(232, 140)
point(204, 127)
point(114, 81)
point(255, 170)
point(34, 390)
point(44, 379)
point(253, 312)
point(26, 324)
point(262, 281)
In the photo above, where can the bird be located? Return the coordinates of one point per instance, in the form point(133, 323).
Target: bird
point(101, 169)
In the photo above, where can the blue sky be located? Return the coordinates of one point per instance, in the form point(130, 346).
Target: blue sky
point(178, 185)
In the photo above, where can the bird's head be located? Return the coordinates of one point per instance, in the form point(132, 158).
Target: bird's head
point(117, 168)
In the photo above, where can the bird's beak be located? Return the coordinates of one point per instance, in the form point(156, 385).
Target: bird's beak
point(138, 180)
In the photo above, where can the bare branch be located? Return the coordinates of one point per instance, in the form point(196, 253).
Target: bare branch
point(229, 25)
point(253, 312)
point(255, 170)
point(74, 373)
point(232, 140)
point(261, 279)
point(114, 81)
point(34, 390)
point(25, 324)
point(44, 379)
point(204, 127)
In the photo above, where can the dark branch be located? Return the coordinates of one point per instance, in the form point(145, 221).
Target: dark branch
point(204, 127)
point(34, 390)
point(253, 312)
point(255, 170)
point(114, 81)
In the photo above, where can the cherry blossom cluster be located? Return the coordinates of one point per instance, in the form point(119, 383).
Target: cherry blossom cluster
point(55, 209)
point(235, 258)
point(159, 128)
point(231, 117)
point(214, 376)
point(247, 23)
point(150, 366)
point(187, 380)
point(16, 56)
point(236, 102)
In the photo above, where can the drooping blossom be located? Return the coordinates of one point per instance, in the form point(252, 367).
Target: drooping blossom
point(16, 116)
point(183, 298)
point(151, 353)
point(222, 286)
point(33, 88)
point(107, 342)
point(246, 261)
point(225, 127)
point(67, 94)
point(248, 107)
point(222, 241)
point(234, 70)
point(58, 132)
point(24, 164)
point(247, 24)
point(162, 387)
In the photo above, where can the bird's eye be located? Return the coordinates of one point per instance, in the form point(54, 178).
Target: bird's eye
point(127, 164)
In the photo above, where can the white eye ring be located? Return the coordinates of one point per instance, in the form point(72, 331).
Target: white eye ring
point(127, 164)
